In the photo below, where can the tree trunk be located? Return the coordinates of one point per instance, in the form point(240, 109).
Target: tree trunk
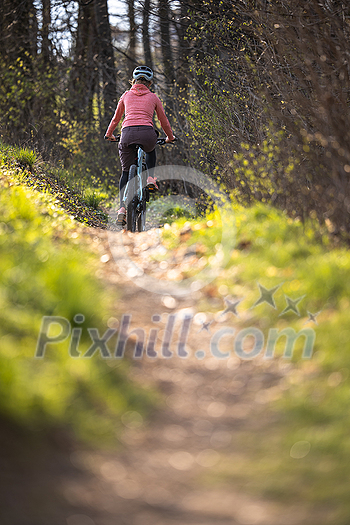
point(106, 61)
point(184, 50)
point(145, 34)
point(84, 74)
point(18, 50)
point(18, 30)
point(167, 55)
point(46, 21)
point(132, 38)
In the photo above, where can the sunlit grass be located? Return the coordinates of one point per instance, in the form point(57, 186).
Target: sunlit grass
point(46, 269)
point(14, 155)
point(94, 198)
point(165, 209)
point(82, 197)
point(304, 455)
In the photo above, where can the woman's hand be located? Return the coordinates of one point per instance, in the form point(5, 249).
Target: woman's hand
point(111, 139)
point(168, 141)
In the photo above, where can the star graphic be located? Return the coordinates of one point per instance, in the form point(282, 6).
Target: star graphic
point(312, 317)
point(266, 296)
point(205, 326)
point(231, 307)
point(292, 305)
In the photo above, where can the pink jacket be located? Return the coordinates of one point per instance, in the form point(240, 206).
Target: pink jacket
point(139, 105)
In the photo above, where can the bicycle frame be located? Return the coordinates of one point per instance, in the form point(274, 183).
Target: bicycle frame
point(130, 191)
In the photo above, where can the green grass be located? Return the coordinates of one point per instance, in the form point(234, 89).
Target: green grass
point(94, 198)
point(311, 405)
point(46, 269)
point(170, 208)
point(24, 158)
point(82, 198)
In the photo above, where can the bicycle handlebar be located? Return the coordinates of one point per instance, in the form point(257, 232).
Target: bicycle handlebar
point(161, 141)
point(115, 139)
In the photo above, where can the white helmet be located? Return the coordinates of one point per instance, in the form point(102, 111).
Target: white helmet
point(143, 72)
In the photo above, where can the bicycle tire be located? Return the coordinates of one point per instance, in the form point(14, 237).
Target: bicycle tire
point(131, 216)
point(141, 219)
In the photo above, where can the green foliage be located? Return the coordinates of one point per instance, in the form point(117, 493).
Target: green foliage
point(270, 81)
point(26, 158)
point(91, 164)
point(309, 406)
point(16, 156)
point(35, 110)
point(285, 248)
point(47, 270)
point(94, 198)
point(79, 197)
point(28, 109)
point(170, 208)
point(176, 212)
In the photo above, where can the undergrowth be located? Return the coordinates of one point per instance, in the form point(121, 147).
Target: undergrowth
point(84, 199)
point(46, 269)
point(304, 455)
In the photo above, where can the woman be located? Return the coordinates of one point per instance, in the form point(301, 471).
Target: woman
point(139, 105)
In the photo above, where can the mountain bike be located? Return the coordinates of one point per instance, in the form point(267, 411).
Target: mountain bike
point(136, 194)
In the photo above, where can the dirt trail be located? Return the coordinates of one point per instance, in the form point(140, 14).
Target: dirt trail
point(164, 471)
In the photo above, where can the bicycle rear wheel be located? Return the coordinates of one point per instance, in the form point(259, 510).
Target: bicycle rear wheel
point(131, 215)
point(141, 219)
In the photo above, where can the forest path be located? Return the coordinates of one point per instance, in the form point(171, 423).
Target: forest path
point(166, 470)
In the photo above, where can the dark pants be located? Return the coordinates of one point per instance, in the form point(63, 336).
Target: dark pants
point(146, 136)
